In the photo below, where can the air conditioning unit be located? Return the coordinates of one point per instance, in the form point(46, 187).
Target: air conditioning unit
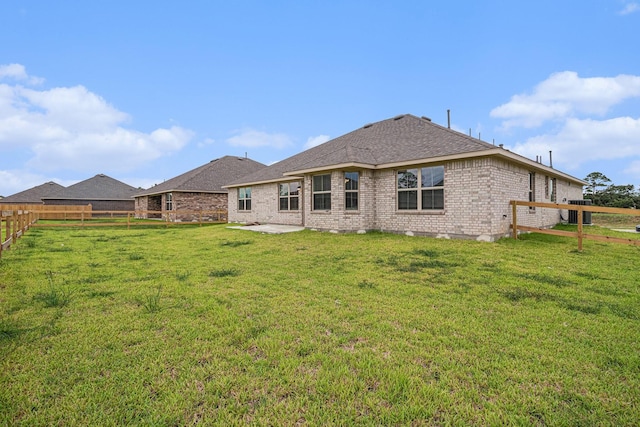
point(573, 215)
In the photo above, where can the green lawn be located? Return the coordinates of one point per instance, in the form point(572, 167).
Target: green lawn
point(187, 325)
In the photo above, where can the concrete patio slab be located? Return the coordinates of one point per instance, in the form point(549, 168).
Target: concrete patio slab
point(269, 228)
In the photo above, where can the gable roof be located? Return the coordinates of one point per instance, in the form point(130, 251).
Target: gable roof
point(394, 142)
point(208, 178)
point(100, 187)
point(35, 194)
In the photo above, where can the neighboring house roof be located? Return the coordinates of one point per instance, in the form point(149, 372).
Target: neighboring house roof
point(100, 187)
point(34, 195)
point(394, 142)
point(208, 178)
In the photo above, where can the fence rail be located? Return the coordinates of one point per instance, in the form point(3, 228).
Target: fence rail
point(579, 234)
point(63, 212)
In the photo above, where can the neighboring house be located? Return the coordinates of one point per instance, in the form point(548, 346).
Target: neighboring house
point(198, 190)
point(102, 192)
point(34, 195)
point(403, 175)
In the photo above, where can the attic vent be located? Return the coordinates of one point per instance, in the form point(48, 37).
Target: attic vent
point(101, 175)
point(398, 117)
point(214, 160)
point(426, 118)
point(368, 125)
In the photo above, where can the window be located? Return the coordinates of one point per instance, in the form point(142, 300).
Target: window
point(289, 196)
point(421, 188)
point(169, 202)
point(244, 198)
point(546, 187)
point(532, 189)
point(554, 189)
point(322, 192)
point(351, 184)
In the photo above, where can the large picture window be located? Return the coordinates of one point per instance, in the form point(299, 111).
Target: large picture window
point(351, 186)
point(244, 198)
point(289, 196)
point(421, 188)
point(321, 190)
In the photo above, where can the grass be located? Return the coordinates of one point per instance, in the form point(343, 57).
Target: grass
point(615, 220)
point(219, 326)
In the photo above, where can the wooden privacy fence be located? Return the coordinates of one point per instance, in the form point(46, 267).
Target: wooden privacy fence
point(13, 225)
point(579, 234)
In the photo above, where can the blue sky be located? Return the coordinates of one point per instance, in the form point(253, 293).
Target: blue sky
point(143, 91)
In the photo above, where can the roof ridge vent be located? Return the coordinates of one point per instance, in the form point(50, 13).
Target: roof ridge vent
point(368, 125)
point(398, 117)
point(426, 118)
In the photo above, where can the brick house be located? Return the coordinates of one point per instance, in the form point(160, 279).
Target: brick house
point(199, 189)
point(102, 192)
point(403, 175)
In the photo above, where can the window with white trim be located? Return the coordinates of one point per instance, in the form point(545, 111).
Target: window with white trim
point(244, 198)
point(169, 202)
point(554, 189)
point(351, 187)
point(289, 196)
point(421, 188)
point(321, 192)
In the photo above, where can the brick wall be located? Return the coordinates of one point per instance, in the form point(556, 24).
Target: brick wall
point(477, 195)
point(183, 201)
point(265, 204)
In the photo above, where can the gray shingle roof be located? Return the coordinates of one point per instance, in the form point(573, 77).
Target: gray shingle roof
point(208, 178)
point(100, 187)
point(34, 195)
point(400, 139)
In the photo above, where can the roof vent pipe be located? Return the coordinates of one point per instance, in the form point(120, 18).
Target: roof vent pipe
point(550, 160)
point(449, 119)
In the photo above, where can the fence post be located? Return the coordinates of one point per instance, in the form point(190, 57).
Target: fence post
point(200, 218)
point(14, 220)
point(7, 223)
point(514, 217)
point(128, 220)
point(580, 228)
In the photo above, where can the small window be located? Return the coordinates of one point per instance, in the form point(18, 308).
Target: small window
point(169, 202)
point(351, 186)
point(428, 195)
point(546, 187)
point(554, 190)
point(289, 196)
point(532, 189)
point(244, 198)
point(321, 190)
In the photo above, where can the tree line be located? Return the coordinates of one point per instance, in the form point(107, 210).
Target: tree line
point(602, 192)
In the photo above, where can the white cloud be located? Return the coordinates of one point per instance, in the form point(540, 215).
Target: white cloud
point(71, 128)
point(564, 95)
point(633, 170)
point(253, 139)
point(313, 141)
point(630, 8)
point(579, 141)
point(18, 72)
